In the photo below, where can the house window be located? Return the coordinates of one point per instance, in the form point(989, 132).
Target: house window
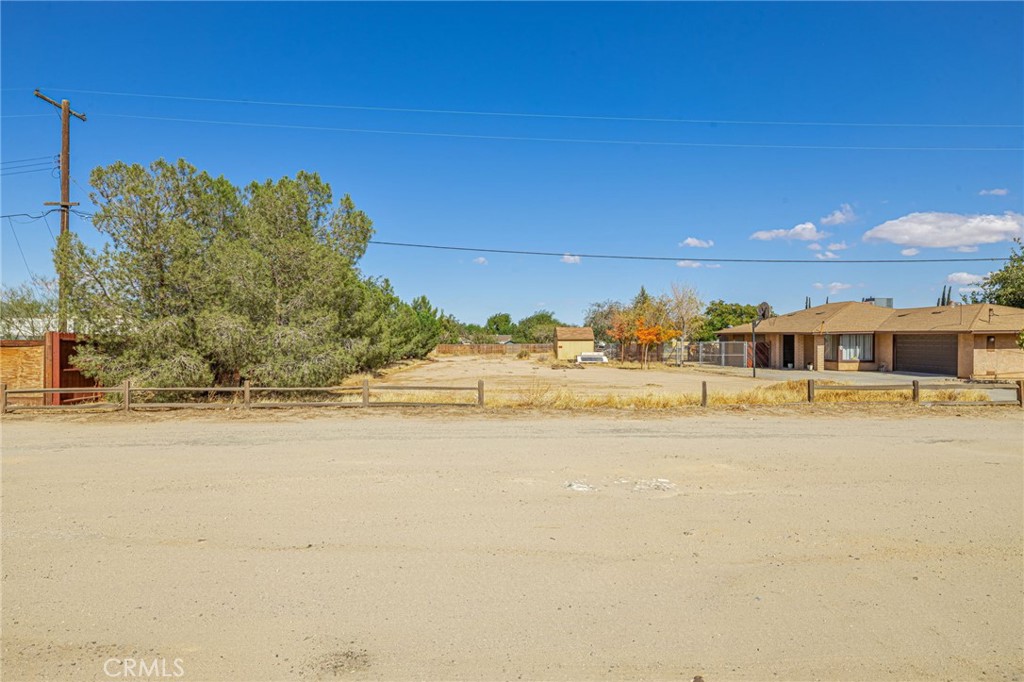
point(860, 347)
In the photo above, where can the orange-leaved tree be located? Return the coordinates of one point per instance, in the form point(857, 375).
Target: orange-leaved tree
point(623, 330)
point(648, 335)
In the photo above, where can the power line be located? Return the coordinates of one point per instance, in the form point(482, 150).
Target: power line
point(36, 170)
point(34, 158)
point(561, 254)
point(36, 164)
point(26, 165)
point(565, 139)
point(571, 117)
point(83, 190)
point(676, 259)
point(31, 216)
point(18, 242)
point(47, 222)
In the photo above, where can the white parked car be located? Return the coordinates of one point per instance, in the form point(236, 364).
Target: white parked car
point(591, 357)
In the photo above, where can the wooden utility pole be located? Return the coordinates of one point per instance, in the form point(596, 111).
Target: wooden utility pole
point(65, 202)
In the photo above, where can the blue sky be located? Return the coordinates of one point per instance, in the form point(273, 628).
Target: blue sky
point(637, 187)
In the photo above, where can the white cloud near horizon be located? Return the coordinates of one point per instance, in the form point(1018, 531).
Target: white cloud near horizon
point(910, 252)
point(805, 232)
point(842, 215)
point(828, 255)
point(833, 287)
point(480, 261)
point(948, 230)
point(815, 247)
point(572, 260)
point(996, 192)
point(838, 246)
point(964, 278)
point(688, 264)
point(697, 243)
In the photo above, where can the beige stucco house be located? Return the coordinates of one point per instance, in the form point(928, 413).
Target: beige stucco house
point(977, 340)
point(572, 341)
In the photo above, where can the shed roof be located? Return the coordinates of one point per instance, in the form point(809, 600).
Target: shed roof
point(574, 334)
point(852, 317)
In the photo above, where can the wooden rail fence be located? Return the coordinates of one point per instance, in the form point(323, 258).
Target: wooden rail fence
point(916, 387)
point(129, 393)
point(127, 403)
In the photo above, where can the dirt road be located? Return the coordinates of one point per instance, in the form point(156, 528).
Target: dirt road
point(399, 546)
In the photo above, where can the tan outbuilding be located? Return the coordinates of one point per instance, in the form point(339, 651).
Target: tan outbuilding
point(977, 340)
point(573, 341)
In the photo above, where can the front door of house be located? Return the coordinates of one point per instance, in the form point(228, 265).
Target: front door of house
point(788, 352)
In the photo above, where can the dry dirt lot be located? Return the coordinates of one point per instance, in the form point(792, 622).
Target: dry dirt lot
point(749, 545)
point(509, 375)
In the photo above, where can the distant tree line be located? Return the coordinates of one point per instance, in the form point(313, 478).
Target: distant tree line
point(681, 314)
point(536, 328)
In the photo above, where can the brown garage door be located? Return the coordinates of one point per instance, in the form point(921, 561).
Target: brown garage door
point(927, 353)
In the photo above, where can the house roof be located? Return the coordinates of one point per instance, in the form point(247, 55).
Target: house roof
point(574, 334)
point(852, 317)
point(977, 318)
point(829, 318)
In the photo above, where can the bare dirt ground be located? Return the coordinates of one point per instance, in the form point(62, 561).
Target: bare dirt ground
point(755, 545)
point(507, 374)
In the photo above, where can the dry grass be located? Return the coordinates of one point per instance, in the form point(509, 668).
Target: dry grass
point(543, 396)
point(547, 397)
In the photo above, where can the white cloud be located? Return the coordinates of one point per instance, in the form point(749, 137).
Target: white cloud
point(964, 278)
point(965, 249)
point(572, 260)
point(997, 192)
point(814, 247)
point(910, 252)
point(828, 255)
point(805, 232)
point(713, 266)
point(688, 264)
point(697, 243)
point(948, 230)
point(969, 289)
point(833, 287)
point(842, 215)
point(480, 261)
point(838, 246)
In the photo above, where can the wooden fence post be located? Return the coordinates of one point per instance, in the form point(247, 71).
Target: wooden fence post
point(1020, 393)
point(480, 393)
point(917, 391)
point(127, 395)
point(246, 395)
point(366, 392)
point(703, 394)
point(810, 390)
point(3, 398)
